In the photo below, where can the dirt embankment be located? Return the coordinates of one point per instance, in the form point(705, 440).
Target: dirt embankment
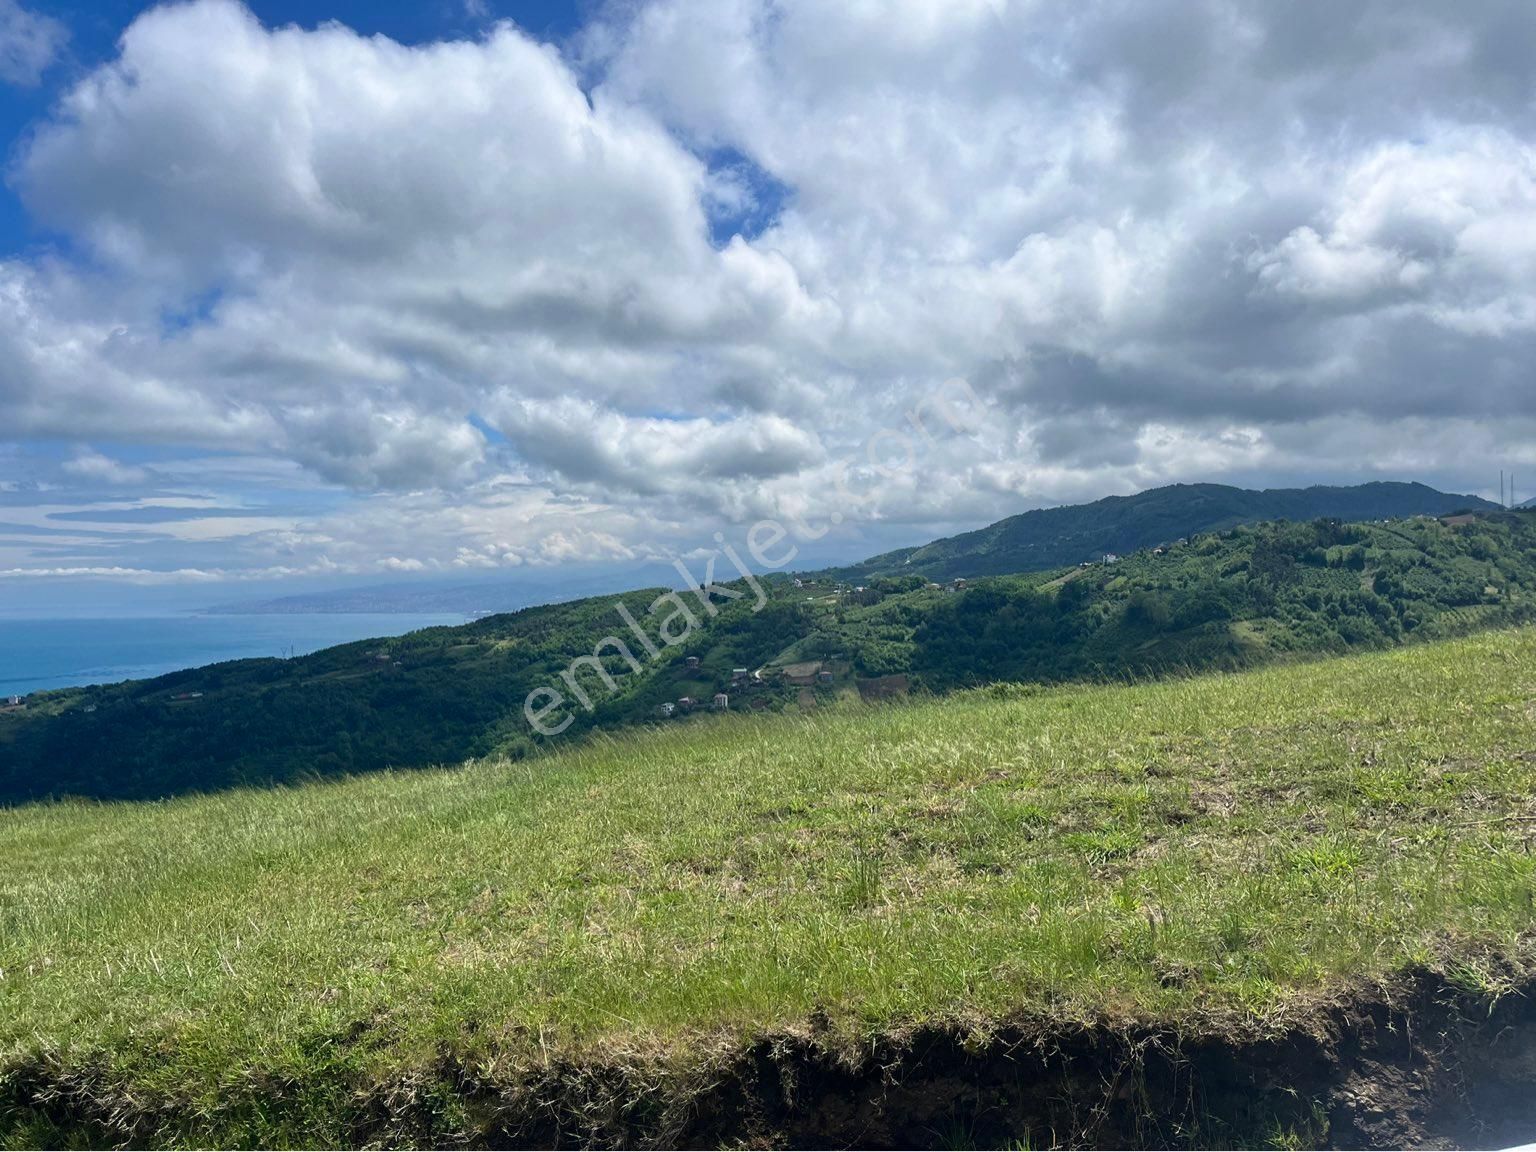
point(1426, 1065)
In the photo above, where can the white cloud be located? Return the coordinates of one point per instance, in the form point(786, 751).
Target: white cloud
point(480, 285)
point(388, 233)
point(29, 43)
point(90, 465)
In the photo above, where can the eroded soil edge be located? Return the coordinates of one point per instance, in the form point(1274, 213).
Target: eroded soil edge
point(1426, 1064)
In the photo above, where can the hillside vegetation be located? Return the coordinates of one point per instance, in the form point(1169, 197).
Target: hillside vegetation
point(572, 949)
point(1057, 537)
point(1220, 600)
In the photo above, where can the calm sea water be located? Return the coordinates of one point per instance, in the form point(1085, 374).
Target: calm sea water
point(39, 654)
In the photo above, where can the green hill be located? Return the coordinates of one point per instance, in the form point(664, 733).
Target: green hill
point(1220, 600)
point(1291, 907)
point(1056, 537)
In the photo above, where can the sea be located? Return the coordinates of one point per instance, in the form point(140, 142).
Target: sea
point(37, 654)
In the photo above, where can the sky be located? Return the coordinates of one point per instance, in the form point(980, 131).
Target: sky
point(299, 295)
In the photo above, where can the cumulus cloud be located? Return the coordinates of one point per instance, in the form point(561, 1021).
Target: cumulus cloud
point(94, 466)
point(29, 42)
point(531, 304)
point(377, 235)
point(584, 445)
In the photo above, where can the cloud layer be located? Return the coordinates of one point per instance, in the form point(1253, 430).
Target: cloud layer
point(29, 42)
point(525, 302)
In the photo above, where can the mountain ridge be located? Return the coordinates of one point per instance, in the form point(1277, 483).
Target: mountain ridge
point(1035, 540)
point(1067, 534)
point(1220, 600)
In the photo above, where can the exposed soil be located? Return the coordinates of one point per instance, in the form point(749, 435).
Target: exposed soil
point(1424, 1066)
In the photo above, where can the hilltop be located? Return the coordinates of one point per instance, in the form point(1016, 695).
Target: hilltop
point(1056, 537)
point(1220, 600)
point(1290, 907)
point(1043, 539)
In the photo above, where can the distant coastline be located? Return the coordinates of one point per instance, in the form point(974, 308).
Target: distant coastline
point(41, 654)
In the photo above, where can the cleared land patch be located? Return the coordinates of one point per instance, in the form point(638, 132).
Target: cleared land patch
point(649, 937)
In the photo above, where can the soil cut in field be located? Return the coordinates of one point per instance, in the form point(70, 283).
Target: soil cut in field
point(1424, 1064)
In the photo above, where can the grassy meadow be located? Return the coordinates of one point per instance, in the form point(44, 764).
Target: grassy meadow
point(1228, 848)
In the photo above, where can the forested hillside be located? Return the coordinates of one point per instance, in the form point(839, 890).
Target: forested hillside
point(1054, 537)
point(1218, 600)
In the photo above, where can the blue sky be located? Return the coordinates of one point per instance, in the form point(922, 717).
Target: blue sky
point(297, 295)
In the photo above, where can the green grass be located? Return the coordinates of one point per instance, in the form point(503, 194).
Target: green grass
point(1198, 851)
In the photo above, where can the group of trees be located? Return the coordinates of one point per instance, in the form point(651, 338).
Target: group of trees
point(1231, 598)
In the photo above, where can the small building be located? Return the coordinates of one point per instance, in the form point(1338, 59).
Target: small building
point(687, 703)
point(824, 677)
point(13, 701)
point(691, 663)
point(1111, 558)
point(667, 710)
point(722, 702)
point(740, 675)
point(802, 675)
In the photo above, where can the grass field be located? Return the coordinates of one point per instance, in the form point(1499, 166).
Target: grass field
point(241, 968)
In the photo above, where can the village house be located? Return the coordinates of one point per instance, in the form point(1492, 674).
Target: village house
point(667, 710)
point(13, 701)
point(722, 702)
point(687, 703)
point(824, 677)
point(739, 675)
point(691, 663)
point(802, 675)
